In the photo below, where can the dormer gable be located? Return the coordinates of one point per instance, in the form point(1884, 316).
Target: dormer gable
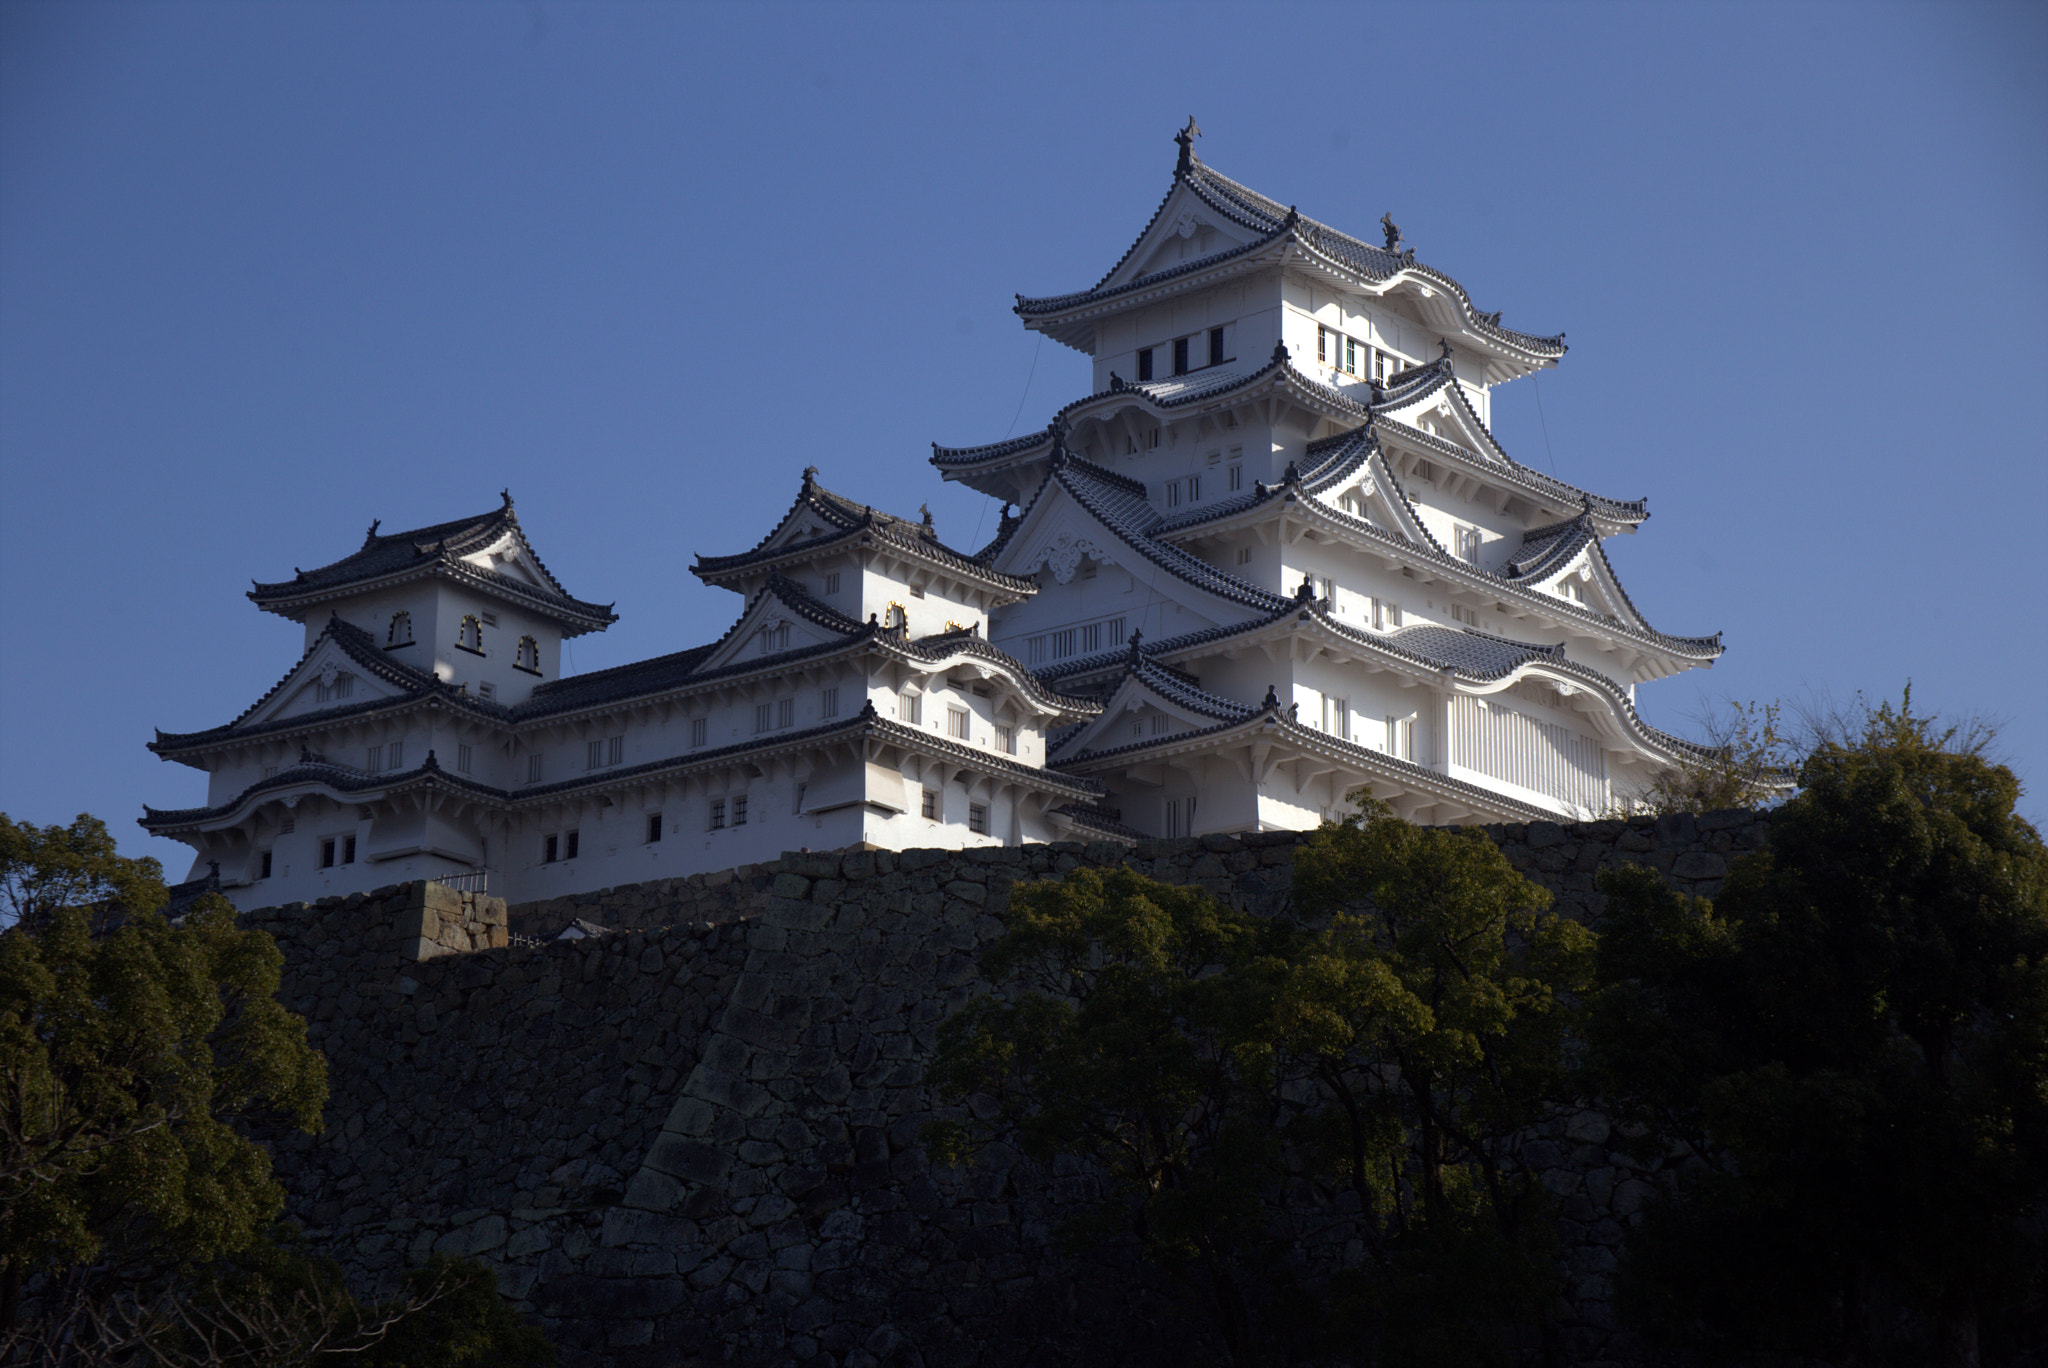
point(781, 620)
point(1149, 703)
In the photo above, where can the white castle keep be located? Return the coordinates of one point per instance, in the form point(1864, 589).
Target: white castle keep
point(1275, 556)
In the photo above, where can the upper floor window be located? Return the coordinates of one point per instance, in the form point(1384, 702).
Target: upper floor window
point(956, 723)
point(897, 616)
point(1468, 539)
point(699, 727)
point(1145, 363)
point(1180, 356)
point(401, 629)
point(832, 582)
point(463, 759)
point(1006, 738)
point(529, 655)
point(470, 635)
point(1342, 352)
point(533, 768)
point(828, 702)
point(910, 707)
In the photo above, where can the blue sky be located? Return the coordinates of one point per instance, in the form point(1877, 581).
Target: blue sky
point(270, 271)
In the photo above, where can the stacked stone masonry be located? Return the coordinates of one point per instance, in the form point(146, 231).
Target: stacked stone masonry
point(695, 1140)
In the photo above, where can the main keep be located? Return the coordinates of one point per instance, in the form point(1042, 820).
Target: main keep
point(1277, 555)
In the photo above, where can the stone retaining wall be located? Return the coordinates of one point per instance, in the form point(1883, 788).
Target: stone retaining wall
point(698, 1143)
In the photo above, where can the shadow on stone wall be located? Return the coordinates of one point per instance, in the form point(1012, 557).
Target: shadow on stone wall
point(696, 1140)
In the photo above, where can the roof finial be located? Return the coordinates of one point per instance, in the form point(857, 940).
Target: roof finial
point(1445, 343)
point(506, 495)
point(1272, 699)
point(1391, 229)
point(1280, 353)
point(1290, 475)
point(926, 510)
point(1137, 654)
point(811, 475)
point(1186, 138)
point(1307, 592)
point(1116, 383)
point(371, 535)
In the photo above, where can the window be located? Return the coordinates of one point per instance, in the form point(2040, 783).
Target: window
point(909, 708)
point(785, 712)
point(1327, 588)
point(550, 849)
point(1145, 364)
point(718, 814)
point(342, 686)
point(1468, 616)
point(897, 616)
point(832, 582)
point(1468, 544)
point(1337, 716)
point(1180, 816)
point(1244, 555)
point(462, 759)
point(930, 806)
point(1386, 615)
point(533, 769)
point(348, 850)
point(1194, 489)
point(327, 853)
point(1113, 631)
point(1006, 738)
point(1091, 637)
point(764, 714)
point(1173, 493)
point(653, 827)
point(1572, 589)
point(487, 690)
point(916, 591)
point(1216, 357)
point(1160, 722)
point(1351, 355)
point(828, 702)
point(739, 810)
point(1325, 345)
point(528, 658)
point(470, 635)
point(489, 619)
point(270, 771)
point(1180, 356)
point(1152, 439)
point(698, 727)
point(956, 723)
point(782, 637)
point(401, 630)
point(263, 864)
point(594, 754)
point(395, 753)
point(569, 843)
point(1035, 650)
point(1236, 478)
point(1379, 366)
point(1401, 737)
point(796, 804)
point(373, 759)
point(977, 819)
point(1063, 643)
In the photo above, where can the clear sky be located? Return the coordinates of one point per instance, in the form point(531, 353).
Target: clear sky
point(269, 271)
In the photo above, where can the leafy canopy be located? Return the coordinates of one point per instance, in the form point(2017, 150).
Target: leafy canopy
point(1853, 1038)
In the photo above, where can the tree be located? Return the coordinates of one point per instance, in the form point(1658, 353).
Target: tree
point(127, 1059)
point(133, 1051)
point(1746, 761)
point(1250, 1087)
point(1853, 1040)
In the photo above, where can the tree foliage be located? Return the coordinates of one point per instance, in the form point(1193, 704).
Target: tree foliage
point(1246, 1085)
point(135, 1211)
point(1747, 760)
point(1853, 1039)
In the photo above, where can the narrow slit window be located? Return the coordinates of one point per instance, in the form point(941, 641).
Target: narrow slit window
point(1180, 356)
point(653, 827)
point(570, 842)
point(550, 850)
point(699, 728)
point(462, 759)
point(1216, 357)
point(828, 702)
point(533, 769)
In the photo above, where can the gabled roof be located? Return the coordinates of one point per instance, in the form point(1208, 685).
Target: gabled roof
point(360, 648)
point(438, 549)
point(1270, 223)
point(838, 521)
point(1119, 505)
point(1166, 688)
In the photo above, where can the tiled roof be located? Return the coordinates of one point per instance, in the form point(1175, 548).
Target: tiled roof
point(383, 554)
point(343, 779)
point(1120, 504)
point(1271, 221)
point(361, 649)
point(845, 519)
point(1544, 549)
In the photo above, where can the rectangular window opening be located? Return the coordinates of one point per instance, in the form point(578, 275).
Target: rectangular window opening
point(977, 819)
point(956, 723)
point(1145, 364)
point(718, 814)
point(570, 842)
point(828, 702)
point(550, 850)
point(930, 806)
point(1180, 356)
point(462, 759)
point(653, 827)
point(785, 712)
point(739, 810)
point(699, 726)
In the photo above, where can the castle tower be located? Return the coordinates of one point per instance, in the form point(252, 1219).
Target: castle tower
point(1281, 545)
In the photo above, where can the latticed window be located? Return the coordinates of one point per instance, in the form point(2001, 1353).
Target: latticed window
point(956, 723)
point(977, 819)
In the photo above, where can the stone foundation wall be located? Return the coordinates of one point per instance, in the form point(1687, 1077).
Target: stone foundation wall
point(697, 1142)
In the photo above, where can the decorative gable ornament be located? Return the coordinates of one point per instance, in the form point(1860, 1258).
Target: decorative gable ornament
point(1189, 223)
point(328, 674)
point(1062, 555)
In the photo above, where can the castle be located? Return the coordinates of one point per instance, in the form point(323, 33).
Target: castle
point(1275, 556)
